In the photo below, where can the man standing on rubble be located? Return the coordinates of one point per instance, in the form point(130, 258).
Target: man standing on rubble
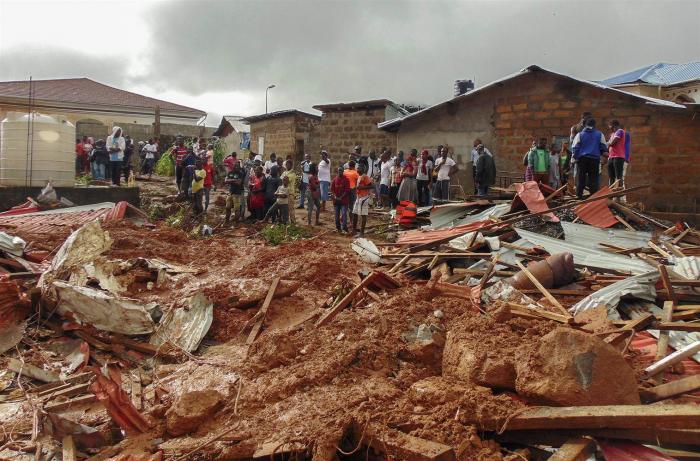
point(616, 153)
point(538, 162)
point(587, 147)
point(485, 171)
point(116, 145)
point(361, 206)
point(324, 177)
point(234, 180)
point(475, 157)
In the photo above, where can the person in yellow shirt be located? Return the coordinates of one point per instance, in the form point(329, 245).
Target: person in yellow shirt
point(198, 186)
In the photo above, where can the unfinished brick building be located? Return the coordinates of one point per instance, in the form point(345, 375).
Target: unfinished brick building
point(345, 125)
point(284, 132)
point(509, 113)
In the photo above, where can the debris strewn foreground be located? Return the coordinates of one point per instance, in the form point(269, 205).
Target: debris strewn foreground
point(502, 331)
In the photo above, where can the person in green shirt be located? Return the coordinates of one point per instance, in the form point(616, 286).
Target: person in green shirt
point(538, 162)
point(292, 177)
point(198, 186)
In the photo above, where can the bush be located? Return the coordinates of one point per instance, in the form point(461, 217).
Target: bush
point(282, 233)
point(165, 165)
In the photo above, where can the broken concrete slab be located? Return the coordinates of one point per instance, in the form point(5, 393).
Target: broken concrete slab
point(186, 326)
point(574, 368)
point(103, 310)
point(191, 409)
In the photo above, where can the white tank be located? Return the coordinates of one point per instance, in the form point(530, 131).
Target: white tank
point(51, 153)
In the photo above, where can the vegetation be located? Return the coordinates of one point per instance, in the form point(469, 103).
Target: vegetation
point(83, 179)
point(283, 233)
point(165, 165)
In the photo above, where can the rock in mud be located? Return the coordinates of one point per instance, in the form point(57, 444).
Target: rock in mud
point(464, 360)
point(572, 368)
point(192, 409)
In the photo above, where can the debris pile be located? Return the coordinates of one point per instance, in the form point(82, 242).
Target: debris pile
point(502, 331)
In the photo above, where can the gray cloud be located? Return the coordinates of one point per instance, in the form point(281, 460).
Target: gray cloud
point(409, 51)
point(47, 62)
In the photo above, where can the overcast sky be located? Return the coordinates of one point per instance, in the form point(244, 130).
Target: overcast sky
point(219, 56)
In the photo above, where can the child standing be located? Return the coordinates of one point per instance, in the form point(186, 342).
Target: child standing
point(554, 167)
point(281, 206)
point(198, 177)
point(395, 182)
point(208, 181)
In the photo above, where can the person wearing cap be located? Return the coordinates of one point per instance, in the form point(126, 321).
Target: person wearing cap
point(324, 177)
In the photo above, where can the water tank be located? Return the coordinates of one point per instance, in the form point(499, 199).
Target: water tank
point(51, 152)
point(463, 86)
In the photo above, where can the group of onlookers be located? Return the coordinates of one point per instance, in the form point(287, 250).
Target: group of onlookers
point(112, 159)
point(581, 157)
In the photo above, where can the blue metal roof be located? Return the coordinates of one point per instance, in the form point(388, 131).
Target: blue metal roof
point(663, 74)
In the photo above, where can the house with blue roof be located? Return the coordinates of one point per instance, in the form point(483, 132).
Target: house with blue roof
point(674, 82)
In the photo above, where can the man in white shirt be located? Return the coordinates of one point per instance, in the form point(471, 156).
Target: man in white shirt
point(115, 146)
point(324, 177)
point(149, 157)
point(445, 167)
point(270, 163)
point(384, 179)
point(303, 184)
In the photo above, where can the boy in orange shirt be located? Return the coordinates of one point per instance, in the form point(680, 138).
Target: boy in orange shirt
point(361, 206)
point(352, 175)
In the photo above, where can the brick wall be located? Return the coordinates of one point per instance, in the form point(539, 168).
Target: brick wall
point(340, 131)
point(278, 133)
point(665, 148)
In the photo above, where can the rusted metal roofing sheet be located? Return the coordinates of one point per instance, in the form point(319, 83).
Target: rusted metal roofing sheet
point(531, 195)
point(597, 213)
point(587, 256)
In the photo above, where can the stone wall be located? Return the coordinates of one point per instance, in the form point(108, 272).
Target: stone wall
point(507, 117)
point(340, 131)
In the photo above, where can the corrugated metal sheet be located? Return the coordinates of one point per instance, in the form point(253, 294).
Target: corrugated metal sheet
point(676, 339)
point(446, 215)
point(63, 218)
point(640, 286)
point(597, 213)
point(587, 256)
point(495, 211)
point(687, 267)
point(658, 74)
point(531, 195)
point(426, 236)
point(591, 237)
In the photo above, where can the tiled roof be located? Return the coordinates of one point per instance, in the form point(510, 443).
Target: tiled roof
point(662, 73)
point(86, 91)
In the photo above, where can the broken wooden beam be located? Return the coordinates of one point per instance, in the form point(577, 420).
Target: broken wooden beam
point(69, 451)
point(676, 326)
point(552, 300)
point(574, 449)
point(398, 445)
point(263, 311)
point(332, 312)
point(599, 417)
point(554, 437)
point(59, 406)
point(671, 389)
point(30, 371)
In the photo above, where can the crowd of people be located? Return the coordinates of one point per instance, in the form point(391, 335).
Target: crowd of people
point(112, 159)
point(581, 157)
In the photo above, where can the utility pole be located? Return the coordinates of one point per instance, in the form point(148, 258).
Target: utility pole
point(266, 90)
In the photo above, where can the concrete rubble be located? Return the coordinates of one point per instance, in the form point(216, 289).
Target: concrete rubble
point(503, 331)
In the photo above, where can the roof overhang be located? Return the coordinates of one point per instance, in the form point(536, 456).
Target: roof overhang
point(278, 114)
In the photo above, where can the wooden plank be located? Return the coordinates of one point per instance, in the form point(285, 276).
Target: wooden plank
point(539, 313)
point(398, 445)
point(542, 289)
point(666, 280)
point(621, 220)
point(263, 311)
point(59, 406)
point(676, 326)
point(136, 391)
point(30, 371)
point(332, 312)
point(575, 449)
point(600, 417)
point(401, 262)
point(680, 236)
point(69, 381)
point(70, 391)
point(658, 249)
point(672, 359)
point(672, 389)
point(662, 437)
point(69, 451)
point(662, 343)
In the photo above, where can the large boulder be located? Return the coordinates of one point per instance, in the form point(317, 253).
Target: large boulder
point(572, 368)
point(192, 409)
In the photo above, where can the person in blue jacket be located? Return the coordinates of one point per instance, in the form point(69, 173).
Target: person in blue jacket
point(588, 144)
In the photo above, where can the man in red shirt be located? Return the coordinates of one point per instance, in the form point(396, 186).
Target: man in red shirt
point(179, 152)
point(340, 188)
